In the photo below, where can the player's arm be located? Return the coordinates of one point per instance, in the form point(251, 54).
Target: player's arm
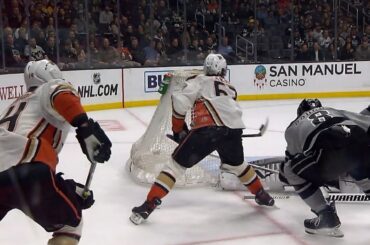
point(366, 111)
point(94, 142)
point(182, 101)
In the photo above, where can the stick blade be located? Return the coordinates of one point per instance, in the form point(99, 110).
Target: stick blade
point(264, 126)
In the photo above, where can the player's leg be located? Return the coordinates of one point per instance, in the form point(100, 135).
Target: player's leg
point(301, 174)
point(197, 145)
point(47, 198)
point(6, 192)
point(230, 150)
point(67, 235)
point(361, 174)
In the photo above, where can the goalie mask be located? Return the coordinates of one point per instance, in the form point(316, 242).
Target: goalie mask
point(39, 72)
point(215, 65)
point(308, 104)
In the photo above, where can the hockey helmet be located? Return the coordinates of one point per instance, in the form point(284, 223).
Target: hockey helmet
point(215, 64)
point(308, 104)
point(39, 72)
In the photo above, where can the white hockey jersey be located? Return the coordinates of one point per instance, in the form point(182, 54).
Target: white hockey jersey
point(35, 126)
point(212, 100)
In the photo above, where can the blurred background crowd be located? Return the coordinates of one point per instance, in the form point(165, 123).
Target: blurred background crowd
point(79, 34)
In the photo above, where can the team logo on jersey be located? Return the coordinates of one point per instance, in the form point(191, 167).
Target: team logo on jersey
point(96, 78)
point(260, 81)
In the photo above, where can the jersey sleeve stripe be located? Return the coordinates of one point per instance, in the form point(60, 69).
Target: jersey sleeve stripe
point(68, 105)
point(31, 151)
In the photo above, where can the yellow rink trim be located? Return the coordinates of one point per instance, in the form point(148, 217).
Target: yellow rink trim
point(304, 95)
point(138, 103)
point(107, 106)
point(141, 103)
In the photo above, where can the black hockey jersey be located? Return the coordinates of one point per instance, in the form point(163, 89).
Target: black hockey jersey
point(302, 133)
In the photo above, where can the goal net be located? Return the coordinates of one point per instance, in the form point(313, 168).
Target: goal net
point(152, 151)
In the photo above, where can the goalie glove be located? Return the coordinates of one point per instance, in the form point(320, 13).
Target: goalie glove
point(93, 141)
point(180, 136)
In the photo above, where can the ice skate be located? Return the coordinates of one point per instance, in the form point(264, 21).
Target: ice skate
point(326, 223)
point(263, 198)
point(141, 213)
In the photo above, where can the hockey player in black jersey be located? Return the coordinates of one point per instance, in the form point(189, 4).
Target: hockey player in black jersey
point(324, 143)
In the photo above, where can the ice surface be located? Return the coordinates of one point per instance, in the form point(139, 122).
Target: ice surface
point(194, 215)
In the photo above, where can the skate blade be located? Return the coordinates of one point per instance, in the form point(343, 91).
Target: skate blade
point(332, 232)
point(136, 219)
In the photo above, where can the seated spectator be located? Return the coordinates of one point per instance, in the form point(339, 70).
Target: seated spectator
point(329, 53)
point(355, 38)
point(21, 41)
point(196, 54)
point(93, 52)
point(51, 49)
point(126, 59)
point(12, 54)
point(32, 51)
point(226, 50)
point(68, 54)
point(163, 58)
point(136, 51)
point(210, 45)
point(347, 53)
point(304, 54)
point(81, 54)
point(325, 39)
point(108, 55)
point(175, 52)
point(363, 50)
point(309, 39)
point(151, 54)
point(316, 53)
point(105, 19)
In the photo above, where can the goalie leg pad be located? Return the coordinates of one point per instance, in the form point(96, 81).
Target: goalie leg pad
point(246, 175)
point(244, 172)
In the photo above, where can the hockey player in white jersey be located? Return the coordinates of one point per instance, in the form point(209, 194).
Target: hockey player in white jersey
point(216, 125)
point(323, 144)
point(32, 132)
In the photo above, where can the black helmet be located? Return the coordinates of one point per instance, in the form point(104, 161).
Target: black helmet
point(308, 104)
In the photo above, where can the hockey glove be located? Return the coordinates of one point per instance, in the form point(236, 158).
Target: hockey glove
point(86, 201)
point(94, 142)
point(180, 136)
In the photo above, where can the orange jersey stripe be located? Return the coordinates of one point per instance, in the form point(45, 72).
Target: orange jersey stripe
point(177, 124)
point(46, 152)
point(68, 105)
point(201, 116)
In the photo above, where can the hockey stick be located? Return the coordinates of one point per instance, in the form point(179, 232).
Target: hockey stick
point(86, 191)
point(261, 132)
point(337, 197)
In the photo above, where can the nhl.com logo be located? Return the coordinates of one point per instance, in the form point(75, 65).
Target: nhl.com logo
point(260, 80)
point(96, 78)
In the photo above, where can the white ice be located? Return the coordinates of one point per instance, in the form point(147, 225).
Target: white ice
point(201, 215)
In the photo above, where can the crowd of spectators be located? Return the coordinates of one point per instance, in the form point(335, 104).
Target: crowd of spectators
point(126, 33)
